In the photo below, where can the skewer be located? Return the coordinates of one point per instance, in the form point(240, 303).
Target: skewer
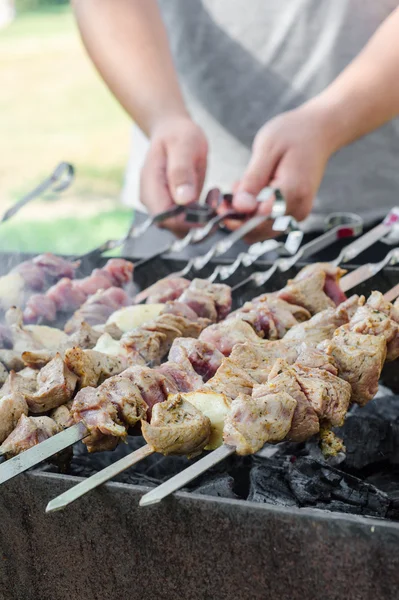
point(338, 226)
point(165, 489)
point(187, 475)
point(348, 253)
point(98, 479)
point(34, 455)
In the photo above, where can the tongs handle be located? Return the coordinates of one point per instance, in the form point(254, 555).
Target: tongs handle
point(59, 180)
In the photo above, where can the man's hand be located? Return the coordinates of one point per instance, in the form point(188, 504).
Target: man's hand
point(174, 169)
point(290, 152)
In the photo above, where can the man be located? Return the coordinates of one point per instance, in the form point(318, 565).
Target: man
point(299, 94)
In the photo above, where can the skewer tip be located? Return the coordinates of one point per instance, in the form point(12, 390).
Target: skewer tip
point(150, 498)
point(55, 504)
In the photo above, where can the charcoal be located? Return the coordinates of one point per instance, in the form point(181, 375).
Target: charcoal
point(316, 484)
point(217, 485)
point(371, 434)
point(268, 484)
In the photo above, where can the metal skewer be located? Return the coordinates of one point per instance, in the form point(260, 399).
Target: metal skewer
point(181, 479)
point(163, 490)
point(59, 180)
point(99, 478)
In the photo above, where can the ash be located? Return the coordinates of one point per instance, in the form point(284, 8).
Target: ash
point(365, 481)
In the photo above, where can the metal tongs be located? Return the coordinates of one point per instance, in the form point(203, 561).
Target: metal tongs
point(59, 180)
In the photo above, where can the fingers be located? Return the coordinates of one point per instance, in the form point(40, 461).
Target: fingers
point(186, 166)
point(291, 178)
point(257, 176)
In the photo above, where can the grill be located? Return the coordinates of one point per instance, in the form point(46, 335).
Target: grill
point(289, 526)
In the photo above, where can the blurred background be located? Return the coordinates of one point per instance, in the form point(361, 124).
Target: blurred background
point(53, 108)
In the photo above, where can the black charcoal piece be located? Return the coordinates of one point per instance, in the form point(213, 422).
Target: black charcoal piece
point(268, 484)
point(316, 484)
point(217, 485)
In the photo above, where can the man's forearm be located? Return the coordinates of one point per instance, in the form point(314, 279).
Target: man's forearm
point(366, 94)
point(127, 42)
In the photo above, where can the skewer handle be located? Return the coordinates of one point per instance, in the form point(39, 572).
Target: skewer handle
point(189, 474)
point(98, 479)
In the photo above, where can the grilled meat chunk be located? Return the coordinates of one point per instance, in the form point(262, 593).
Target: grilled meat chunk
point(377, 317)
point(12, 407)
point(225, 335)
point(359, 358)
point(177, 427)
point(126, 397)
point(231, 380)
point(98, 308)
point(204, 358)
point(258, 360)
point(305, 422)
point(3, 374)
point(328, 394)
point(322, 325)
point(309, 288)
point(29, 432)
point(253, 421)
point(56, 385)
point(174, 307)
point(62, 415)
point(100, 416)
point(181, 375)
point(92, 367)
point(219, 292)
point(154, 387)
point(23, 382)
point(259, 317)
point(169, 288)
point(201, 303)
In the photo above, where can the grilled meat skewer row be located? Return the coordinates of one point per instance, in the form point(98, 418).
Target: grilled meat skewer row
point(295, 402)
point(219, 290)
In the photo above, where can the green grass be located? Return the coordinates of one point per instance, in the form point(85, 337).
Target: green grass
point(54, 107)
point(63, 236)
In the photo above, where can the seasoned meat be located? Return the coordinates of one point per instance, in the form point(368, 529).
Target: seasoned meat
point(253, 421)
point(29, 432)
point(55, 386)
point(92, 367)
point(315, 359)
point(181, 375)
point(100, 416)
point(154, 387)
point(86, 337)
point(11, 360)
point(259, 317)
point(332, 275)
point(305, 422)
point(174, 307)
point(375, 318)
point(320, 327)
point(308, 289)
point(3, 374)
point(40, 307)
point(98, 308)
point(219, 292)
point(204, 358)
point(225, 335)
point(169, 288)
point(177, 427)
point(328, 394)
point(24, 382)
point(283, 314)
point(359, 358)
point(119, 270)
point(258, 360)
point(62, 415)
point(12, 406)
point(126, 397)
point(231, 380)
point(201, 303)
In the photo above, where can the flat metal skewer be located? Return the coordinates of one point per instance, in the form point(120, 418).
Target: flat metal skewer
point(99, 478)
point(24, 461)
point(189, 474)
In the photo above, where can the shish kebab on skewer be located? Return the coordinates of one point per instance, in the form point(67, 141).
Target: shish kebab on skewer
point(195, 299)
point(255, 397)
